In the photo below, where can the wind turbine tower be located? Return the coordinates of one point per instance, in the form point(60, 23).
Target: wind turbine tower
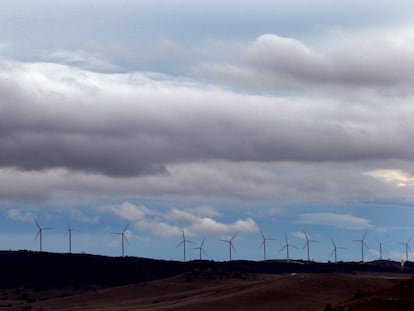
point(123, 238)
point(201, 249)
point(287, 245)
point(230, 242)
point(183, 243)
point(407, 247)
point(264, 239)
point(39, 233)
point(70, 238)
point(363, 244)
point(380, 249)
point(307, 244)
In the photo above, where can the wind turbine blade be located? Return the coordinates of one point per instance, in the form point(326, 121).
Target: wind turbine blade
point(261, 245)
point(231, 244)
point(37, 224)
point(225, 241)
point(365, 244)
point(365, 235)
point(125, 237)
point(263, 236)
point(182, 242)
point(234, 235)
point(282, 248)
point(293, 246)
point(333, 252)
point(306, 236)
point(204, 252)
point(37, 234)
point(202, 243)
point(47, 228)
point(125, 229)
point(409, 239)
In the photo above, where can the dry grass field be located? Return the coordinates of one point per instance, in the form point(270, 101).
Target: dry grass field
point(254, 292)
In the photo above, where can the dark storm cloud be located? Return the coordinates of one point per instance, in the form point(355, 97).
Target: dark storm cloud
point(132, 124)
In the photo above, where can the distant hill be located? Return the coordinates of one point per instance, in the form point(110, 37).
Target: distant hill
point(55, 270)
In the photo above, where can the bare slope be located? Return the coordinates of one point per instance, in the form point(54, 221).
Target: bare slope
point(260, 292)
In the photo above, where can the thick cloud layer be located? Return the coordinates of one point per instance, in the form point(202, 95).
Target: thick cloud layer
point(54, 116)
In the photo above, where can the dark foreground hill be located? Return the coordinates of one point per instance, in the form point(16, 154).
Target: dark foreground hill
point(261, 292)
point(53, 270)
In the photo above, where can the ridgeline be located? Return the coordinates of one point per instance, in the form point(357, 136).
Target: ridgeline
point(56, 270)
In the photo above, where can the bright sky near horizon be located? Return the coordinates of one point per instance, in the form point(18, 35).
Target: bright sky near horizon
point(213, 116)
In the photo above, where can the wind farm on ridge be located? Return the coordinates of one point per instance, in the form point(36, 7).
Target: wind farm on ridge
point(231, 249)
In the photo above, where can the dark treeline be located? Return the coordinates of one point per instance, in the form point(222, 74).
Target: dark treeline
point(54, 270)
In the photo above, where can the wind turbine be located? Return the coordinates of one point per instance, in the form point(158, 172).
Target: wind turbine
point(201, 249)
point(70, 238)
point(39, 233)
point(123, 238)
point(183, 242)
point(407, 247)
point(362, 241)
point(264, 244)
point(307, 244)
point(334, 251)
point(287, 247)
point(230, 244)
point(380, 248)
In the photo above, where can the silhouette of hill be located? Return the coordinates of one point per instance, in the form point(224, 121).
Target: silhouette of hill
point(54, 270)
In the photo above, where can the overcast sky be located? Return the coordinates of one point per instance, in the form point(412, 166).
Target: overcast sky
point(213, 116)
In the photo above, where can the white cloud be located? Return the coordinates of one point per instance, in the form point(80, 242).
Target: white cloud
point(20, 215)
point(82, 216)
point(170, 223)
point(127, 211)
point(206, 211)
point(299, 235)
point(206, 225)
point(395, 177)
point(182, 216)
point(158, 227)
point(345, 221)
